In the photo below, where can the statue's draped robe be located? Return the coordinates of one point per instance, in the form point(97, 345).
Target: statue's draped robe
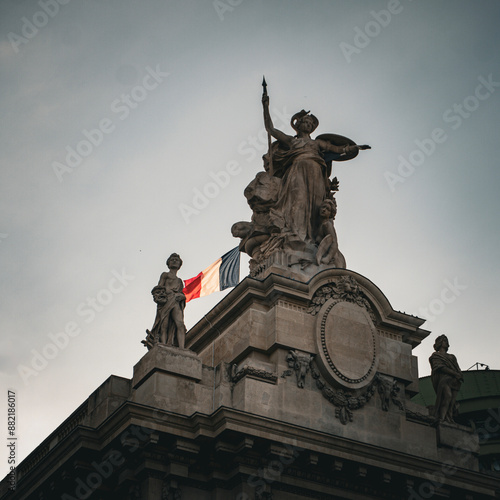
point(173, 286)
point(304, 187)
point(440, 380)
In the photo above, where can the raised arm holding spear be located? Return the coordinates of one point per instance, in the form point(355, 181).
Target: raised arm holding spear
point(267, 119)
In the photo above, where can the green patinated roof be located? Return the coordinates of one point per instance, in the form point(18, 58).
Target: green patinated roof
point(480, 385)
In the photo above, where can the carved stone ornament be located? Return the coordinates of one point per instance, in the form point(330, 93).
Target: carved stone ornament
point(388, 390)
point(247, 370)
point(345, 288)
point(345, 402)
point(300, 363)
point(347, 343)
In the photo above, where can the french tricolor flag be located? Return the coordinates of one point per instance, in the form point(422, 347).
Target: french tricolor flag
point(223, 273)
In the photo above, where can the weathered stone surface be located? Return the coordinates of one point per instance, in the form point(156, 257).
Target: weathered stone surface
point(114, 392)
point(173, 360)
point(171, 392)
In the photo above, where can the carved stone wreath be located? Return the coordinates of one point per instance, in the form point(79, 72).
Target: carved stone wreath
point(346, 289)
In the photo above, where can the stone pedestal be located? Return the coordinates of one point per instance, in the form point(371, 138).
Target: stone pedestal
point(171, 378)
point(161, 358)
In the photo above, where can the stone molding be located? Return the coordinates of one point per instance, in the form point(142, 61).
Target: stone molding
point(236, 375)
point(389, 335)
point(183, 362)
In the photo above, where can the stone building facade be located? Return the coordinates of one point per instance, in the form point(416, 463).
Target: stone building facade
point(292, 387)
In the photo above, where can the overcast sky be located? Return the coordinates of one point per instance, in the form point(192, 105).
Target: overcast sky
point(116, 114)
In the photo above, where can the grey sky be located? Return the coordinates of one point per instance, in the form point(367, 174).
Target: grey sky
point(430, 240)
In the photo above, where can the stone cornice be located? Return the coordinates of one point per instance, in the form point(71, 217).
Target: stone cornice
point(267, 291)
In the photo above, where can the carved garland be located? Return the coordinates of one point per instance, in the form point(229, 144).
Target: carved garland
point(236, 375)
point(347, 402)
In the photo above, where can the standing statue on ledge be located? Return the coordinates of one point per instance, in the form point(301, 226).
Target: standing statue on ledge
point(446, 379)
point(294, 186)
point(171, 301)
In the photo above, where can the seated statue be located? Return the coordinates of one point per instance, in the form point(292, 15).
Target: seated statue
point(328, 248)
point(446, 379)
point(169, 325)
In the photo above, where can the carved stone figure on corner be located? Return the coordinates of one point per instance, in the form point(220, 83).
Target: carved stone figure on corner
point(446, 379)
point(168, 295)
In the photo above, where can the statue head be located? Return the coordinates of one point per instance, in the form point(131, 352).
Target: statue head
point(174, 261)
point(304, 121)
point(328, 209)
point(441, 341)
point(159, 295)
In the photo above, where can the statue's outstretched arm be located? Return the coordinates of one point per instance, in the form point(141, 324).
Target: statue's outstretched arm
point(327, 146)
point(268, 123)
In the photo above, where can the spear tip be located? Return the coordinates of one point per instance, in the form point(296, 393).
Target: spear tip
point(264, 85)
